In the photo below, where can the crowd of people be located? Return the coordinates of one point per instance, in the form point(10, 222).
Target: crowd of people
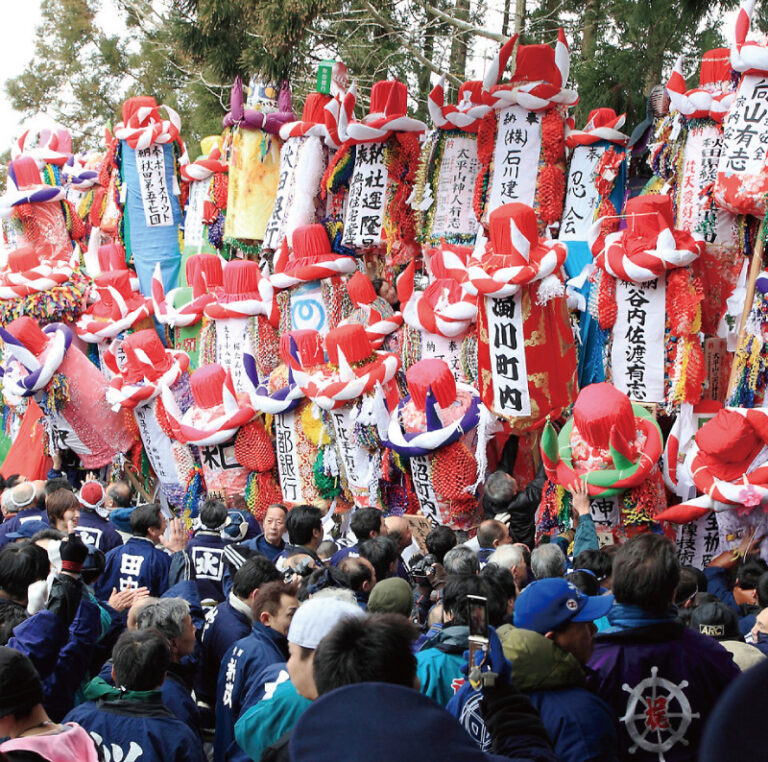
point(125, 637)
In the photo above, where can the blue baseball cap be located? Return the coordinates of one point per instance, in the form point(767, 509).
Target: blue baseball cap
point(547, 604)
point(27, 530)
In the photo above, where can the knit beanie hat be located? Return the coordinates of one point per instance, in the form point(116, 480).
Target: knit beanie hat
point(391, 596)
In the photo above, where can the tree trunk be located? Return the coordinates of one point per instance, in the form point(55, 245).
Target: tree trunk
point(429, 49)
point(458, 65)
point(591, 11)
point(505, 19)
point(519, 15)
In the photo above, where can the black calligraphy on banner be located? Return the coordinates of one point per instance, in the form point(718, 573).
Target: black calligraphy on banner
point(367, 196)
point(515, 157)
point(150, 165)
point(637, 355)
point(287, 457)
point(454, 214)
point(507, 352)
point(289, 157)
point(421, 475)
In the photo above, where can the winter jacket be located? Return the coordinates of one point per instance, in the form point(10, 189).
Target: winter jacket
point(581, 725)
point(276, 712)
point(522, 510)
point(586, 536)
point(138, 563)
point(718, 584)
point(206, 549)
point(96, 531)
point(60, 652)
point(240, 668)
point(260, 545)
point(72, 743)
point(224, 625)
point(174, 693)
point(661, 680)
point(439, 663)
point(138, 730)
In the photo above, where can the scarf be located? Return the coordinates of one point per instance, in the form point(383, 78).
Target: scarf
point(625, 616)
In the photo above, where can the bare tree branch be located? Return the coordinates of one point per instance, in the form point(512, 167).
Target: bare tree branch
point(462, 25)
point(410, 48)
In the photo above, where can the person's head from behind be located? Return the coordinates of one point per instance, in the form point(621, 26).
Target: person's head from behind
point(439, 541)
point(140, 660)
point(326, 549)
point(762, 590)
point(382, 553)
point(511, 557)
point(305, 526)
point(148, 521)
point(688, 588)
point(21, 564)
point(13, 480)
point(119, 494)
point(213, 514)
point(493, 534)
point(585, 580)
point(313, 620)
point(255, 572)
point(21, 691)
point(10, 616)
point(171, 617)
point(456, 604)
point(362, 575)
point(547, 561)
point(646, 573)
point(557, 609)
point(400, 531)
point(461, 560)
point(58, 482)
point(375, 648)
point(22, 497)
point(367, 523)
point(747, 576)
point(274, 523)
point(274, 606)
point(599, 563)
point(324, 578)
point(504, 579)
point(498, 492)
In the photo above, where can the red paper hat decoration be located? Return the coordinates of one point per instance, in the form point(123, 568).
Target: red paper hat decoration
point(602, 124)
point(715, 94)
point(747, 57)
point(728, 464)
point(118, 309)
point(539, 79)
point(444, 308)
point(341, 383)
point(148, 366)
point(312, 122)
point(311, 258)
point(308, 344)
point(649, 245)
point(33, 269)
point(516, 256)
point(473, 104)
point(387, 114)
point(434, 375)
point(142, 124)
point(217, 413)
point(378, 318)
point(245, 292)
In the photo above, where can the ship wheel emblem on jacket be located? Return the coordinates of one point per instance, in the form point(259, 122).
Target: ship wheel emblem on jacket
point(658, 714)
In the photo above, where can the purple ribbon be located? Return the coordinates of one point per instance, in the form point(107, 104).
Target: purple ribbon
point(469, 420)
point(29, 381)
point(252, 119)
